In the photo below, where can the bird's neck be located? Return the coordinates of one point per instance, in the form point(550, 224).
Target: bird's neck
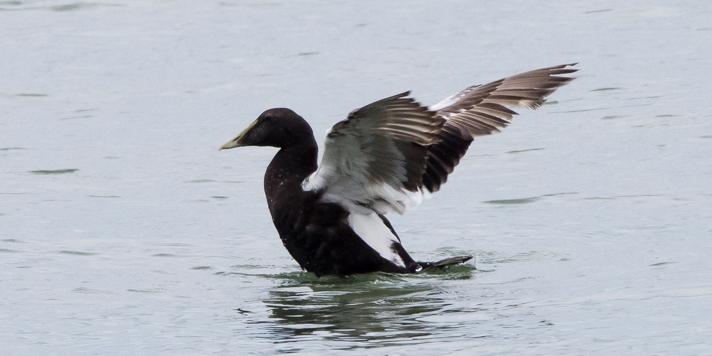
point(284, 175)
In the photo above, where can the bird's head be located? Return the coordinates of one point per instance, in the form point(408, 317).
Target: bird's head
point(278, 127)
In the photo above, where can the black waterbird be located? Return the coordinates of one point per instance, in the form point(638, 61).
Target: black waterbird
point(385, 157)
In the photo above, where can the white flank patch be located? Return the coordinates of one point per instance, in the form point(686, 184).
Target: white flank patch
point(376, 234)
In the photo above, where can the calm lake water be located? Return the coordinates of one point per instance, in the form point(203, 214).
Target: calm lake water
point(124, 231)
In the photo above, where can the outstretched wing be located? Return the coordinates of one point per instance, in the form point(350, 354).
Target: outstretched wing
point(376, 158)
point(483, 109)
point(386, 155)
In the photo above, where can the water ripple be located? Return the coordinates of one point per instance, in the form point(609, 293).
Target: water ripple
point(54, 171)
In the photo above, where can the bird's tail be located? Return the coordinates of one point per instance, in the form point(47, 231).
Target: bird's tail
point(444, 262)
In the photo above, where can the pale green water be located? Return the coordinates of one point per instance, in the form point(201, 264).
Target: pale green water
point(124, 231)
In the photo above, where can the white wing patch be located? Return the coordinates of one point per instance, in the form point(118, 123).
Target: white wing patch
point(375, 159)
point(371, 229)
point(452, 99)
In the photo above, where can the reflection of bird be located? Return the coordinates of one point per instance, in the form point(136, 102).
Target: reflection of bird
point(360, 311)
point(385, 157)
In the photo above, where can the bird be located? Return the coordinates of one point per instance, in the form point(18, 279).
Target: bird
point(385, 157)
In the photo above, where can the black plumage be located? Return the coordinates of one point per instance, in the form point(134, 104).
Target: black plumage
point(315, 233)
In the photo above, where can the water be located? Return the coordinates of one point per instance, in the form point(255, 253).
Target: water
point(123, 230)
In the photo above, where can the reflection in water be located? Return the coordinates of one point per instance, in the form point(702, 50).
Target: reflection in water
point(381, 309)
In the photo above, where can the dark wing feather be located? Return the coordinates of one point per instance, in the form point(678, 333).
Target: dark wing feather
point(443, 156)
point(483, 109)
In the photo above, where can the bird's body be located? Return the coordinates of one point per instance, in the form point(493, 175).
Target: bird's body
point(383, 158)
point(318, 234)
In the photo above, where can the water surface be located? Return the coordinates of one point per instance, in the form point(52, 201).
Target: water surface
point(123, 230)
